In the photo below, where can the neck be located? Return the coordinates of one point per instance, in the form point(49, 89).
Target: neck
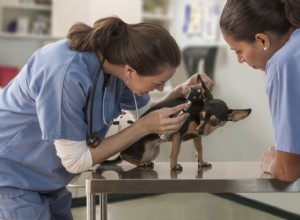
point(113, 69)
point(286, 37)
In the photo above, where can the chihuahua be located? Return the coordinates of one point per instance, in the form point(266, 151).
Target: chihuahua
point(206, 114)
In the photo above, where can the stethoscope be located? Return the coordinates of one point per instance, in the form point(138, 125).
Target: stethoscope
point(93, 138)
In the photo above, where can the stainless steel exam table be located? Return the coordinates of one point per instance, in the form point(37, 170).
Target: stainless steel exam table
point(222, 177)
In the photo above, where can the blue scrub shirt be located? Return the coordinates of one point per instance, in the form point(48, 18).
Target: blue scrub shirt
point(48, 100)
point(282, 86)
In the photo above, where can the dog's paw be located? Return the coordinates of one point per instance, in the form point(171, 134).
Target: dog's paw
point(204, 165)
point(176, 167)
point(147, 164)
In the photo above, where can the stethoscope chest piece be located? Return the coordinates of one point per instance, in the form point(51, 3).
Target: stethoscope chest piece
point(93, 141)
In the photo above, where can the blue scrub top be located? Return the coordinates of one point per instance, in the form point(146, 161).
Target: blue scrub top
point(48, 100)
point(282, 86)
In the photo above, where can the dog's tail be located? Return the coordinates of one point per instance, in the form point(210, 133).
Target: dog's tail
point(111, 162)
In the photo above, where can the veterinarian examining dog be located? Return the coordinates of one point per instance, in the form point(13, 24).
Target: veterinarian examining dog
point(55, 114)
point(265, 34)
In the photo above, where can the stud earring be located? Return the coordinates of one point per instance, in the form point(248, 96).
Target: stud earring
point(265, 48)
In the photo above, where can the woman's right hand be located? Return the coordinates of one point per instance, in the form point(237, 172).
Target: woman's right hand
point(161, 121)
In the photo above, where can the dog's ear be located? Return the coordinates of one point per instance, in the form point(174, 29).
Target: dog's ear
point(237, 114)
point(207, 94)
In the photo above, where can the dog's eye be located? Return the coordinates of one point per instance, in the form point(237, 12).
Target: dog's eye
point(214, 122)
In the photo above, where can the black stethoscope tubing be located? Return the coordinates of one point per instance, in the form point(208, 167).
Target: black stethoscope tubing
point(93, 139)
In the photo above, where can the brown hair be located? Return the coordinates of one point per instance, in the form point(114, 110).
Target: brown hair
point(243, 19)
point(292, 9)
point(145, 47)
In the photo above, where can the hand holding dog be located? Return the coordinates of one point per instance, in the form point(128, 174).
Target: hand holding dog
point(161, 122)
point(193, 83)
point(183, 89)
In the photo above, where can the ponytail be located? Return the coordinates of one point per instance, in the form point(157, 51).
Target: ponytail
point(78, 37)
point(145, 47)
point(83, 37)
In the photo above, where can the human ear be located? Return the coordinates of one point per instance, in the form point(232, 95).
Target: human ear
point(263, 40)
point(128, 71)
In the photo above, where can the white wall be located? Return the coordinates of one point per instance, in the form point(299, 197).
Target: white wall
point(9, 47)
point(67, 12)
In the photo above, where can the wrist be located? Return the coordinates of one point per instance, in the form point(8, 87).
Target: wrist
point(140, 129)
point(179, 91)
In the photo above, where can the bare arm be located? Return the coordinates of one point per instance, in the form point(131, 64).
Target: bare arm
point(282, 165)
point(158, 121)
point(182, 89)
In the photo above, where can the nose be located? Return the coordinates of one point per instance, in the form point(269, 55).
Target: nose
point(160, 87)
point(241, 59)
point(200, 131)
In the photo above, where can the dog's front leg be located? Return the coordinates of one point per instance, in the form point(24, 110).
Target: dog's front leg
point(199, 152)
point(176, 144)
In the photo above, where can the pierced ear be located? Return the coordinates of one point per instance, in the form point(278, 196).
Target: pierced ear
point(263, 39)
point(237, 114)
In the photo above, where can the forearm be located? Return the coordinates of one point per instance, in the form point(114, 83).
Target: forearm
point(177, 92)
point(183, 89)
point(112, 145)
point(77, 157)
point(284, 171)
point(281, 165)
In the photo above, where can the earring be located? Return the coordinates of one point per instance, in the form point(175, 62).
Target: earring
point(265, 48)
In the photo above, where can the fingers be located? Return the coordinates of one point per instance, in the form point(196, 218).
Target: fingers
point(208, 81)
point(171, 111)
point(162, 121)
point(193, 83)
point(171, 124)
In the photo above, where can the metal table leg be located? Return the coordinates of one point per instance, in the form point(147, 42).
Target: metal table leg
point(103, 206)
point(90, 204)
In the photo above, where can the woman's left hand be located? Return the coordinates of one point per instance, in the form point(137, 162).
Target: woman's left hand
point(183, 89)
point(267, 159)
point(192, 82)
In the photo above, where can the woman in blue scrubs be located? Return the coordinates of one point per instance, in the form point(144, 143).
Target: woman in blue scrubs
point(266, 34)
point(47, 110)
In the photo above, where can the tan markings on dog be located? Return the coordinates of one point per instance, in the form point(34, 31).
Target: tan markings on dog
point(199, 152)
point(199, 149)
point(191, 132)
point(176, 144)
point(151, 150)
point(209, 128)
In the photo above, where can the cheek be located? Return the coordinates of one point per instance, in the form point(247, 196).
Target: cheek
point(249, 56)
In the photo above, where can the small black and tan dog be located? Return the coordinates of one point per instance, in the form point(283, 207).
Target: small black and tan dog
point(206, 114)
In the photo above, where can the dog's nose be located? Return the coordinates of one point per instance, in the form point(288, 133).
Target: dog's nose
point(200, 131)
